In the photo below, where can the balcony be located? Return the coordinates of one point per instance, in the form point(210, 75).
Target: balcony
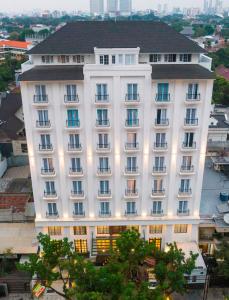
point(132, 99)
point(131, 146)
point(131, 193)
point(133, 123)
point(187, 169)
point(183, 213)
point(76, 171)
point(71, 99)
point(50, 194)
point(185, 192)
point(160, 146)
point(102, 99)
point(44, 148)
point(158, 193)
point(104, 171)
point(48, 172)
point(192, 98)
point(159, 170)
point(40, 100)
point(190, 122)
point(43, 124)
point(162, 98)
point(72, 124)
point(74, 148)
point(78, 214)
point(77, 194)
point(104, 193)
point(189, 146)
point(102, 123)
point(103, 148)
point(52, 215)
point(161, 123)
point(105, 214)
point(157, 213)
point(132, 213)
point(131, 171)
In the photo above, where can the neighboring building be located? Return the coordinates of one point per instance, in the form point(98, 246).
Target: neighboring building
point(16, 49)
point(97, 7)
point(39, 27)
point(125, 7)
point(116, 117)
point(188, 31)
point(223, 72)
point(112, 6)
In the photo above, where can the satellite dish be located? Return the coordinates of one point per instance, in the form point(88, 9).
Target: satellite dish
point(226, 218)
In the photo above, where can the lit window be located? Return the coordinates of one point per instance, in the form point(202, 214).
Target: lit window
point(156, 241)
point(103, 230)
point(80, 230)
point(180, 228)
point(153, 229)
point(81, 246)
point(54, 230)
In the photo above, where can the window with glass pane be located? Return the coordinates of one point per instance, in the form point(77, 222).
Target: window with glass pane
point(102, 117)
point(80, 230)
point(81, 246)
point(40, 93)
point(170, 57)
point(130, 207)
point(74, 141)
point(43, 119)
point(50, 188)
point(102, 94)
point(103, 163)
point(47, 164)
point(157, 207)
point(193, 93)
point(52, 209)
point(103, 140)
point(104, 186)
point(45, 142)
point(185, 185)
point(104, 208)
point(183, 206)
point(162, 117)
point(186, 57)
point(158, 185)
point(71, 93)
point(180, 228)
point(77, 187)
point(131, 140)
point(132, 117)
point(75, 164)
point(132, 91)
point(73, 118)
point(132, 163)
point(155, 57)
point(189, 139)
point(102, 229)
point(163, 92)
point(187, 163)
point(159, 163)
point(78, 208)
point(155, 229)
point(131, 185)
point(129, 59)
point(191, 116)
point(160, 139)
point(54, 230)
point(157, 242)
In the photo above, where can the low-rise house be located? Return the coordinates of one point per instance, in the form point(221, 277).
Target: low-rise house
point(16, 49)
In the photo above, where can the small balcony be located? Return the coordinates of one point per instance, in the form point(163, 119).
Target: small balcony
point(131, 213)
point(162, 98)
point(192, 98)
point(47, 172)
point(187, 169)
point(132, 123)
point(105, 214)
point(40, 99)
point(160, 146)
point(132, 99)
point(189, 146)
point(131, 171)
point(77, 194)
point(72, 124)
point(45, 148)
point(131, 193)
point(190, 122)
point(104, 171)
point(43, 124)
point(185, 192)
point(158, 193)
point(157, 213)
point(78, 214)
point(74, 147)
point(103, 148)
point(104, 193)
point(50, 194)
point(71, 99)
point(52, 215)
point(159, 170)
point(102, 123)
point(131, 147)
point(183, 213)
point(102, 99)
point(76, 171)
point(161, 123)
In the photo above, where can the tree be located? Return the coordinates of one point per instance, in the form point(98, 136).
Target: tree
point(222, 254)
point(221, 91)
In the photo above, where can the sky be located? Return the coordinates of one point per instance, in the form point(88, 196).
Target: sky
point(70, 5)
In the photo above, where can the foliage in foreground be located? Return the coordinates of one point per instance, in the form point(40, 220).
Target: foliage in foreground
point(124, 277)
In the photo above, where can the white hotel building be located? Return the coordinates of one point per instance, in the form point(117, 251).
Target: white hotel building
point(116, 116)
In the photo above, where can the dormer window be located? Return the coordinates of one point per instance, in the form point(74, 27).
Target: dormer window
point(186, 57)
point(170, 57)
point(104, 59)
point(79, 59)
point(47, 59)
point(129, 59)
point(63, 59)
point(155, 57)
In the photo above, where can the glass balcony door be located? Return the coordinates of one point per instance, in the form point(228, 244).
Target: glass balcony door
point(132, 91)
point(75, 164)
point(163, 92)
point(132, 117)
point(73, 118)
point(193, 91)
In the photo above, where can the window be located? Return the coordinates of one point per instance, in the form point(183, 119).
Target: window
point(189, 139)
point(120, 59)
point(180, 228)
point(130, 207)
point(131, 163)
point(81, 246)
point(187, 163)
point(74, 141)
point(159, 163)
point(78, 209)
point(63, 59)
point(157, 242)
point(71, 92)
point(104, 187)
point(155, 57)
point(52, 209)
point(75, 164)
point(103, 163)
point(102, 94)
point(72, 118)
point(161, 117)
point(132, 117)
point(113, 59)
point(47, 164)
point(54, 230)
point(186, 57)
point(78, 59)
point(160, 140)
point(102, 229)
point(47, 59)
point(102, 117)
point(104, 208)
point(50, 188)
point(157, 207)
point(40, 93)
point(129, 59)
point(24, 148)
point(104, 59)
point(43, 119)
point(183, 206)
point(185, 185)
point(163, 92)
point(158, 185)
point(103, 140)
point(153, 229)
point(170, 57)
point(193, 93)
point(45, 142)
point(132, 91)
point(131, 140)
point(131, 186)
point(77, 187)
point(80, 230)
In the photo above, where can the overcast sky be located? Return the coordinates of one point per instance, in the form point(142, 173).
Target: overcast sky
point(29, 5)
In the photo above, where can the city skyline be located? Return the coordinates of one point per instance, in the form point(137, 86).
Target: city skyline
point(70, 5)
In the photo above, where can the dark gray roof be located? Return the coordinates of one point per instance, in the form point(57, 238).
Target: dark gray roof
point(82, 37)
point(53, 73)
point(180, 71)
point(221, 118)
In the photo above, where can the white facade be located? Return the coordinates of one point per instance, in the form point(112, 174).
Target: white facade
point(155, 147)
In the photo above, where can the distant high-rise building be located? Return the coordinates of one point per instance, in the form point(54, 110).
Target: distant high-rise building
point(112, 6)
point(205, 6)
point(97, 7)
point(125, 6)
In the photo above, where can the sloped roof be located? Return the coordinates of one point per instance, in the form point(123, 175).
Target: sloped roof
point(14, 44)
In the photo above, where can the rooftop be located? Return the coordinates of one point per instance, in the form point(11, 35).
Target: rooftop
point(82, 37)
point(14, 44)
point(222, 121)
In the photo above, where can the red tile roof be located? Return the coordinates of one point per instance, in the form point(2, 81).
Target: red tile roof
point(14, 44)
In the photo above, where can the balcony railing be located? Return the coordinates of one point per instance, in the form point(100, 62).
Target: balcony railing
point(132, 123)
point(131, 170)
point(162, 122)
point(52, 214)
point(159, 169)
point(102, 123)
point(187, 169)
point(43, 124)
point(102, 98)
point(50, 194)
point(72, 123)
point(191, 122)
point(104, 193)
point(75, 193)
point(189, 145)
point(131, 146)
point(183, 212)
point(40, 99)
point(47, 171)
point(132, 98)
point(161, 146)
point(162, 97)
point(157, 212)
point(103, 147)
point(71, 99)
point(45, 147)
point(104, 214)
point(131, 192)
point(158, 192)
point(193, 97)
point(76, 170)
point(106, 170)
point(74, 147)
point(185, 191)
point(78, 214)
point(131, 213)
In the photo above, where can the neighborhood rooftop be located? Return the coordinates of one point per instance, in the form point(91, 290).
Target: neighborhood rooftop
point(83, 37)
